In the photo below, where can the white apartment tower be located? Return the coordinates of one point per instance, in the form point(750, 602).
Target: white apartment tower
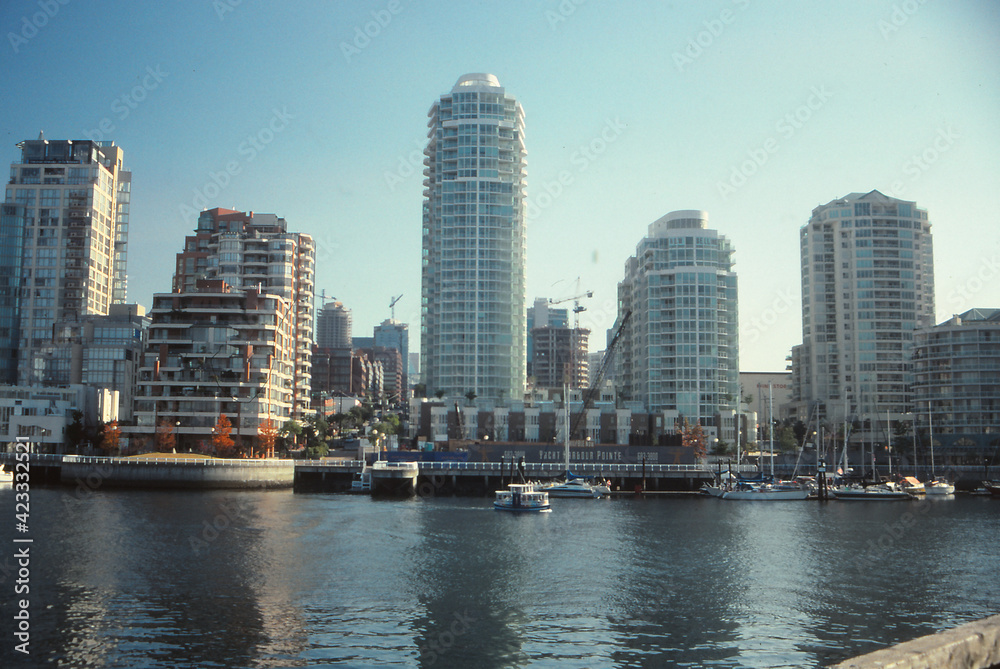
point(867, 284)
point(679, 353)
point(73, 196)
point(333, 326)
point(473, 291)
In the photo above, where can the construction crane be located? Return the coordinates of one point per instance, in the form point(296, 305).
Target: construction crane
point(577, 307)
point(392, 305)
point(609, 355)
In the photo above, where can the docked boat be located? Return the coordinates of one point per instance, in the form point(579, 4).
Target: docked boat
point(912, 485)
point(939, 487)
point(767, 492)
point(6, 476)
point(880, 491)
point(522, 497)
point(576, 487)
point(992, 487)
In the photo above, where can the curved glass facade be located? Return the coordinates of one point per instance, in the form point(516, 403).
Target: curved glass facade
point(473, 294)
point(681, 350)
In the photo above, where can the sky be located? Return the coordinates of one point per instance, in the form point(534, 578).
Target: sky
point(316, 111)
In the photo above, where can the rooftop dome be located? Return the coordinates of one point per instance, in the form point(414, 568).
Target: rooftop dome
point(477, 79)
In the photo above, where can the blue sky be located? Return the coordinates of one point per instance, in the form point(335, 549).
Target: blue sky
point(755, 112)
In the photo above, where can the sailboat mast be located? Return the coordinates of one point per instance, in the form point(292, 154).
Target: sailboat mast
point(930, 419)
point(566, 428)
point(888, 441)
point(770, 418)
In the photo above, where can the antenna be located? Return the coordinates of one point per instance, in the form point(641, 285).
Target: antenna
point(392, 305)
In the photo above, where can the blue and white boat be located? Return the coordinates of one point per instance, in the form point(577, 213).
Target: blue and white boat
point(522, 497)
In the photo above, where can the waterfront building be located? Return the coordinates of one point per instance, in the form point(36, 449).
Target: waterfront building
point(256, 252)
point(679, 352)
point(867, 284)
point(214, 350)
point(473, 290)
point(42, 414)
point(388, 372)
point(391, 333)
point(343, 372)
point(537, 427)
point(541, 314)
point(11, 243)
point(70, 198)
point(102, 351)
point(333, 326)
point(560, 357)
point(956, 383)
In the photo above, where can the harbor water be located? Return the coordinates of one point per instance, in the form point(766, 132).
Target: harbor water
point(127, 578)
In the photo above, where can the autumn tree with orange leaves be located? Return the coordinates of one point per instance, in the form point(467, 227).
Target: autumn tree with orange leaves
point(165, 440)
point(267, 434)
point(693, 437)
point(111, 437)
point(221, 441)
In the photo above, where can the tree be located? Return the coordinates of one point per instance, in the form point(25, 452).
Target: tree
point(692, 437)
point(221, 441)
point(420, 390)
point(471, 396)
point(439, 394)
point(721, 447)
point(267, 434)
point(165, 440)
point(75, 432)
point(111, 437)
point(291, 430)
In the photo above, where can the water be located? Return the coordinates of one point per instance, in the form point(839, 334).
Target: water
point(277, 579)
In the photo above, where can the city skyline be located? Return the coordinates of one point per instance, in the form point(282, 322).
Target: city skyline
point(748, 112)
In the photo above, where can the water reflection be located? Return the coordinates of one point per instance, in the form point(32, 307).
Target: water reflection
point(274, 579)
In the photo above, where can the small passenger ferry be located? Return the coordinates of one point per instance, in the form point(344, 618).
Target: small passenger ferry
point(522, 497)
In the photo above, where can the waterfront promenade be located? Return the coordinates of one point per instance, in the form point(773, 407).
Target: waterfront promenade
point(443, 477)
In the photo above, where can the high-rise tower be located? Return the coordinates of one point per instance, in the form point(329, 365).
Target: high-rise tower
point(867, 284)
point(256, 252)
point(680, 351)
point(70, 197)
point(473, 293)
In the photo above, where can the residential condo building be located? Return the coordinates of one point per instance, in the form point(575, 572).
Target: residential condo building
point(70, 200)
point(256, 252)
point(956, 386)
point(867, 285)
point(679, 352)
point(473, 267)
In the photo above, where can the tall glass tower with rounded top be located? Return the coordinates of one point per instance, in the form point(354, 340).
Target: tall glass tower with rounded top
point(472, 335)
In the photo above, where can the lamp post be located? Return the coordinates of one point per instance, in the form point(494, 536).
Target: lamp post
point(239, 421)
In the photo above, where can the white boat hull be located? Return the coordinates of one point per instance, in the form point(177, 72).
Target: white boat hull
point(869, 493)
point(939, 489)
point(765, 494)
point(574, 489)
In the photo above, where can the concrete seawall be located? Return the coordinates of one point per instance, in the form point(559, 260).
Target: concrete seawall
point(975, 645)
point(176, 472)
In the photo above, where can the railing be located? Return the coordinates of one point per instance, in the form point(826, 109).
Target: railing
point(205, 462)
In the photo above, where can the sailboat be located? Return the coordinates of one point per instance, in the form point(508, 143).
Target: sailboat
point(880, 491)
point(936, 486)
point(573, 486)
point(767, 491)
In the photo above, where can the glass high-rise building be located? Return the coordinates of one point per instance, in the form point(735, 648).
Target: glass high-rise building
point(473, 293)
point(680, 350)
point(867, 285)
point(333, 326)
point(72, 197)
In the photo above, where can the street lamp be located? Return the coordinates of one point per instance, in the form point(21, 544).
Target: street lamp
point(239, 422)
